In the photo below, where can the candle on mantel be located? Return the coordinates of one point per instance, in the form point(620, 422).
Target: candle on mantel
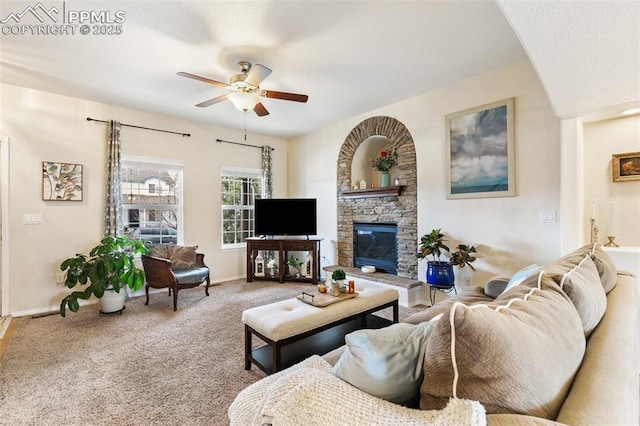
point(612, 210)
point(593, 208)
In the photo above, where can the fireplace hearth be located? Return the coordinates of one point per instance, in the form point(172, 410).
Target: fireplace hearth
point(376, 243)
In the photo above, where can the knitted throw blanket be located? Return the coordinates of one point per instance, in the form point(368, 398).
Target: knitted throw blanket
point(308, 393)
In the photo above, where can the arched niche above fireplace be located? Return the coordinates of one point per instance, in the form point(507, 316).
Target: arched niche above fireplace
point(362, 163)
point(372, 135)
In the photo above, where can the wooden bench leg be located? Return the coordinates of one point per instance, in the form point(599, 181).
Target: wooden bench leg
point(247, 347)
point(276, 357)
point(396, 313)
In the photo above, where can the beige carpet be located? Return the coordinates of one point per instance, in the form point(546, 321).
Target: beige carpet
point(149, 366)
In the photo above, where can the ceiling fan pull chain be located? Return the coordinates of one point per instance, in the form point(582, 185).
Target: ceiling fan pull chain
point(245, 124)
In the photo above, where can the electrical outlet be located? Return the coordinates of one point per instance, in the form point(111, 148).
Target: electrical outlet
point(547, 216)
point(60, 277)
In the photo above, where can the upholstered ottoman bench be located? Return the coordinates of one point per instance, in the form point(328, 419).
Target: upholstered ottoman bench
point(294, 330)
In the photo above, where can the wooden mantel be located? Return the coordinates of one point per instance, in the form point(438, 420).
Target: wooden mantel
point(387, 191)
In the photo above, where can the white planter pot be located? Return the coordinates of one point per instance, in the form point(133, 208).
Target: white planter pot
point(112, 301)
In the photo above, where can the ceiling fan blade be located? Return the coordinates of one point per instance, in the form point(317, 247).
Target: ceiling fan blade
point(212, 101)
point(203, 79)
point(260, 110)
point(285, 96)
point(257, 74)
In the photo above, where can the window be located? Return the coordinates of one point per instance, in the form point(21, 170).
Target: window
point(240, 188)
point(152, 199)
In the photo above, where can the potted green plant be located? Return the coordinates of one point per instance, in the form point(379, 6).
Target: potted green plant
point(105, 271)
point(439, 273)
point(338, 275)
point(337, 281)
point(462, 257)
point(294, 266)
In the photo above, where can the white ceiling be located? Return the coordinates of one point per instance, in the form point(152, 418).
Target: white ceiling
point(350, 57)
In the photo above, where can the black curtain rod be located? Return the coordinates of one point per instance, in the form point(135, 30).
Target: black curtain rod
point(145, 128)
point(240, 143)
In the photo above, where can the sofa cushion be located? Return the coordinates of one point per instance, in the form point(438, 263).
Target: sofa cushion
point(191, 276)
point(514, 356)
point(183, 257)
point(387, 362)
point(604, 264)
point(161, 250)
point(582, 284)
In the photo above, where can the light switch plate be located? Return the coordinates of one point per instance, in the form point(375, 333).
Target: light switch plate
point(32, 219)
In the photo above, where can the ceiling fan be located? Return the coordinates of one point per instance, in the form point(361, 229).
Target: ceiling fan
point(246, 87)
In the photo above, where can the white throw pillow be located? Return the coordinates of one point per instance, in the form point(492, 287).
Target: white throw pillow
point(521, 275)
point(388, 362)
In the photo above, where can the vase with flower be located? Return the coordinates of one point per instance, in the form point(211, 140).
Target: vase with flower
point(386, 160)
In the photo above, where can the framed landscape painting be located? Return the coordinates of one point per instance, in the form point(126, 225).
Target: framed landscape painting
point(61, 181)
point(480, 151)
point(626, 166)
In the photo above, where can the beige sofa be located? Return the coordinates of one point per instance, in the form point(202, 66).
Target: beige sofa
point(560, 348)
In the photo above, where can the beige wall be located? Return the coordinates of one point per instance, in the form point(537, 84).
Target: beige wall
point(508, 229)
point(601, 139)
point(47, 127)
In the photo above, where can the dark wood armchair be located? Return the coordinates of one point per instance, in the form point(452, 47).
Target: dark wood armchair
point(160, 275)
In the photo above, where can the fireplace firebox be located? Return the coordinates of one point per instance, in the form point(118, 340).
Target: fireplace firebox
point(376, 243)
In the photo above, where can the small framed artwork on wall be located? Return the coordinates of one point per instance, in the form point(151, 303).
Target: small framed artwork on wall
point(626, 166)
point(480, 151)
point(61, 181)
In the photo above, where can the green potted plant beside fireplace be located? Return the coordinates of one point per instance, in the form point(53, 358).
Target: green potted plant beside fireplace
point(439, 273)
point(109, 267)
point(463, 256)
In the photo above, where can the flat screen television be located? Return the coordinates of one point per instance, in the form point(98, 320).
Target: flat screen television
point(285, 216)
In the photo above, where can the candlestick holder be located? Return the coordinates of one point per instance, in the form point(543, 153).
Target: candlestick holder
point(594, 231)
point(611, 242)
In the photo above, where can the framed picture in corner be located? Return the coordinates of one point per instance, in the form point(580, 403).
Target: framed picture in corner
point(480, 151)
point(61, 181)
point(626, 166)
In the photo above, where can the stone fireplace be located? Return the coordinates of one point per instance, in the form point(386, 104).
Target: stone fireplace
point(399, 209)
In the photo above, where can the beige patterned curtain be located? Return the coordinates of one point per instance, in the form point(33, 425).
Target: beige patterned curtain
point(266, 171)
point(113, 224)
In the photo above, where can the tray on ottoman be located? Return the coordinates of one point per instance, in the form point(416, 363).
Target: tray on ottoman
point(324, 299)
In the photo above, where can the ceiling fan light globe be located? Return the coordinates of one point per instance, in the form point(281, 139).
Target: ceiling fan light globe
point(244, 101)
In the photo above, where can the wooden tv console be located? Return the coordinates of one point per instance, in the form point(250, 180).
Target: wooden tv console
point(283, 246)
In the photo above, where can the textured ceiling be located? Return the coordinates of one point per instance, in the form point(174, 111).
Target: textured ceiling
point(350, 57)
point(586, 53)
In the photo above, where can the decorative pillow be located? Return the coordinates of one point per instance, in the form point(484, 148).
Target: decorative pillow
point(387, 362)
point(582, 284)
point(521, 275)
point(183, 257)
point(605, 265)
point(161, 250)
point(517, 356)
